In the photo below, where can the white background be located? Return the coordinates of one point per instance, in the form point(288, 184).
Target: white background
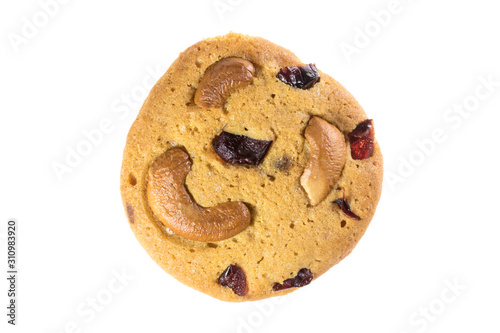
point(436, 224)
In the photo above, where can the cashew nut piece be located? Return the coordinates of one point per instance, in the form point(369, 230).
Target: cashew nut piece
point(173, 206)
point(326, 161)
point(221, 80)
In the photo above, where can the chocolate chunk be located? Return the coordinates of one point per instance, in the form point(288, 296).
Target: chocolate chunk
point(240, 149)
point(234, 278)
point(303, 277)
point(303, 77)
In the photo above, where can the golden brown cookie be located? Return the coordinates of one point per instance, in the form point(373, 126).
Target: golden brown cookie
point(248, 173)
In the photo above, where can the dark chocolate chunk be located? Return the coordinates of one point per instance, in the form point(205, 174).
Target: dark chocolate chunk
point(240, 149)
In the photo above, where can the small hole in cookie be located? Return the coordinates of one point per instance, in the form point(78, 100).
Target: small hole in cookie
point(212, 245)
point(343, 223)
point(292, 225)
point(172, 89)
point(198, 63)
point(271, 178)
point(235, 240)
point(191, 250)
point(132, 180)
point(295, 254)
point(273, 95)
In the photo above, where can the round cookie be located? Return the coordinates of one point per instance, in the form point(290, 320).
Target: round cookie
point(295, 229)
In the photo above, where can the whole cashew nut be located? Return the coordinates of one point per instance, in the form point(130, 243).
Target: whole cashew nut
point(221, 80)
point(327, 159)
point(174, 207)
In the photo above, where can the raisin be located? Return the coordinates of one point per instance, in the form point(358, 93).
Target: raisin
point(362, 140)
point(240, 149)
point(346, 209)
point(303, 77)
point(303, 277)
point(234, 278)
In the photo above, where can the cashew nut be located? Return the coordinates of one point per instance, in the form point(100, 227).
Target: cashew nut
point(173, 206)
point(326, 161)
point(221, 80)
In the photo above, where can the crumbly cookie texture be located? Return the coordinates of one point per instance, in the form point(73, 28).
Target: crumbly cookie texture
point(288, 239)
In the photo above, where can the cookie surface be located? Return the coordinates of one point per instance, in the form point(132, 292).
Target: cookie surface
point(286, 233)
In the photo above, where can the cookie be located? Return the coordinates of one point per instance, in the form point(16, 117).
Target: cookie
point(247, 173)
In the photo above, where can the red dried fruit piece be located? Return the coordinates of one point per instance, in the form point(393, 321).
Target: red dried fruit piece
point(234, 278)
point(240, 149)
point(362, 140)
point(346, 209)
point(303, 277)
point(303, 77)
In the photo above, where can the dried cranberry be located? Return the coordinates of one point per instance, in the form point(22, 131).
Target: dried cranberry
point(234, 278)
point(303, 277)
point(303, 77)
point(362, 140)
point(240, 149)
point(346, 209)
